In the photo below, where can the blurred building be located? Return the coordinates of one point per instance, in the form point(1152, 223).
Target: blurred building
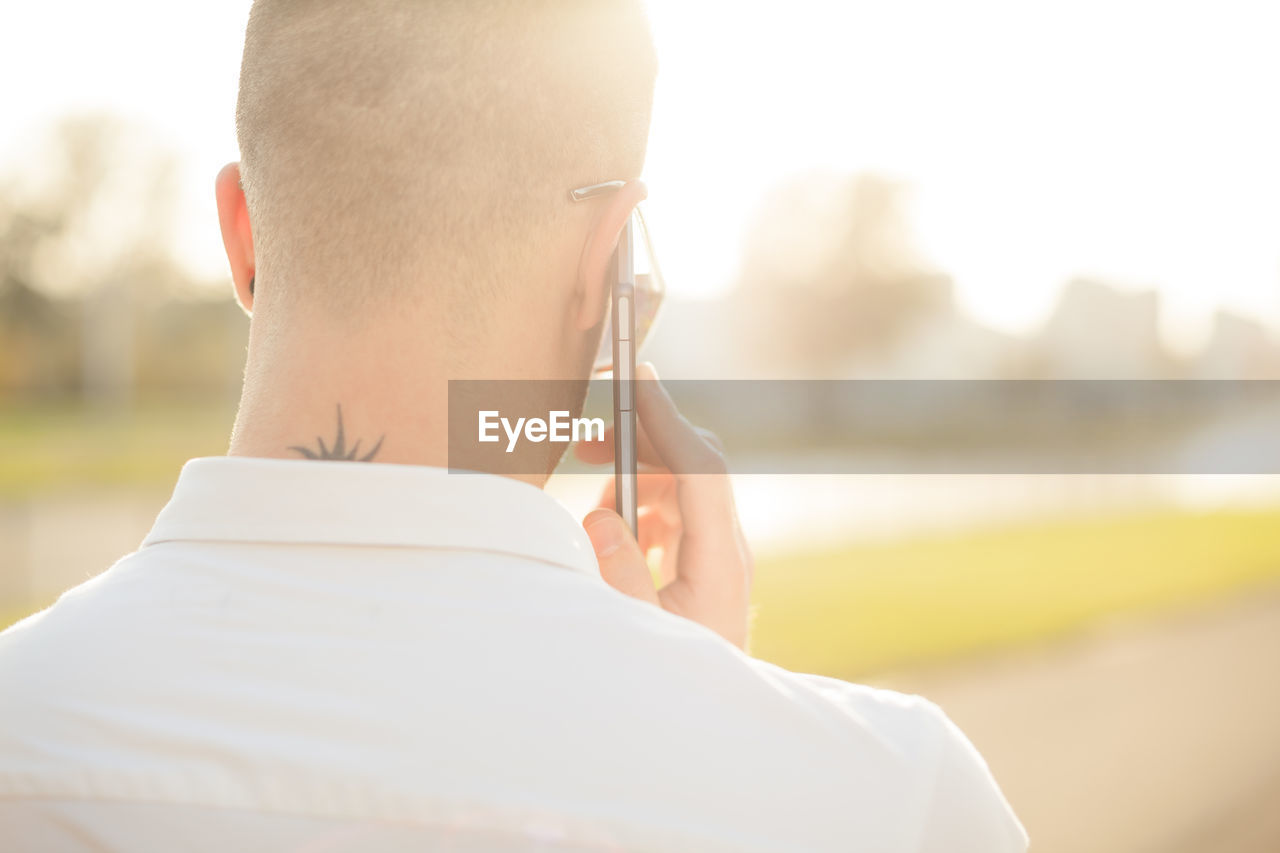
point(1102, 332)
point(944, 345)
point(1238, 348)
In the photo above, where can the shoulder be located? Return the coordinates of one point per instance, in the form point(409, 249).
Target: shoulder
point(69, 637)
point(874, 745)
point(910, 728)
point(963, 806)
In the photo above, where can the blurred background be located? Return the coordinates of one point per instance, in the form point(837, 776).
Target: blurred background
point(978, 190)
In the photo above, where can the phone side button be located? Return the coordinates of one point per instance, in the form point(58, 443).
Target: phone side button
point(627, 475)
point(626, 377)
point(625, 328)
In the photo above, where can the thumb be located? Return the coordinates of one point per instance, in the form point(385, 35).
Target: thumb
point(622, 563)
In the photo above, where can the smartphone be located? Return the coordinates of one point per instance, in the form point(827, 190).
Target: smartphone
point(624, 373)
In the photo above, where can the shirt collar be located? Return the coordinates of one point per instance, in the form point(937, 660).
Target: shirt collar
point(242, 499)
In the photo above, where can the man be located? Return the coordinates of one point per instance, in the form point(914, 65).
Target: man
point(328, 641)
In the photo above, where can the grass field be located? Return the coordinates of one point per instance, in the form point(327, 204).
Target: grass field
point(867, 608)
point(53, 447)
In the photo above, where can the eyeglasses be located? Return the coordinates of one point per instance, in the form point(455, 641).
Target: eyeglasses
point(650, 287)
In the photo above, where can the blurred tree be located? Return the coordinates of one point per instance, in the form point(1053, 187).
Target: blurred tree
point(29, 319)
point(831, 273)
point(87, 272)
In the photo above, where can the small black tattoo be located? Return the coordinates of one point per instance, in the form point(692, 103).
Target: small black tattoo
point(339, 449)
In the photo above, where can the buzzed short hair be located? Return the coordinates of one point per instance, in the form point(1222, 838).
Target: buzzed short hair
point(387, 143)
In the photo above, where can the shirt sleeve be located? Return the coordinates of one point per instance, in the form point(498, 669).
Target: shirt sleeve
point(967, 812)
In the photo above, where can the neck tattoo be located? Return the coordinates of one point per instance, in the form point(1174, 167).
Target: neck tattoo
point(339, 449)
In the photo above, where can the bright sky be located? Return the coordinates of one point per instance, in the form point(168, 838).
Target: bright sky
point(1134, 140)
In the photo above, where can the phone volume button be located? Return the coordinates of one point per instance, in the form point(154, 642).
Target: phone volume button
point(626, 377)
point(625, 325)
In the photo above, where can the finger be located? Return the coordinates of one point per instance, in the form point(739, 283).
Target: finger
point(654, 491)
point(711, 438)
point(596, 451)
point(656, 532)
point(669, 568)
point(709, 550)
point(621, 561)
point(600, 452)
point(705, 495)
point(680, 446)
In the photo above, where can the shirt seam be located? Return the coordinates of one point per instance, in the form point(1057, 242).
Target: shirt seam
point(403, 546)
point(648, 842)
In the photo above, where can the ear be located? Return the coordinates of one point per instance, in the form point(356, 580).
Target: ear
point(593, 289)
point(237, 237)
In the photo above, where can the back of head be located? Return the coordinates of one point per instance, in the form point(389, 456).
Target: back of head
point(423, 149)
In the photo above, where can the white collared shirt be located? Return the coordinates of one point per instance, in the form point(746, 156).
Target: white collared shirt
point(314, 656)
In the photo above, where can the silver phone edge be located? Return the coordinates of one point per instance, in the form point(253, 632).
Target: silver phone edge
point(625, 462)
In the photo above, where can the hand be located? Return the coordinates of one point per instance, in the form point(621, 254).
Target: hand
point(686, 509)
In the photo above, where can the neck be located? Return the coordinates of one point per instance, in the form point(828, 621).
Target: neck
point(339, 393)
